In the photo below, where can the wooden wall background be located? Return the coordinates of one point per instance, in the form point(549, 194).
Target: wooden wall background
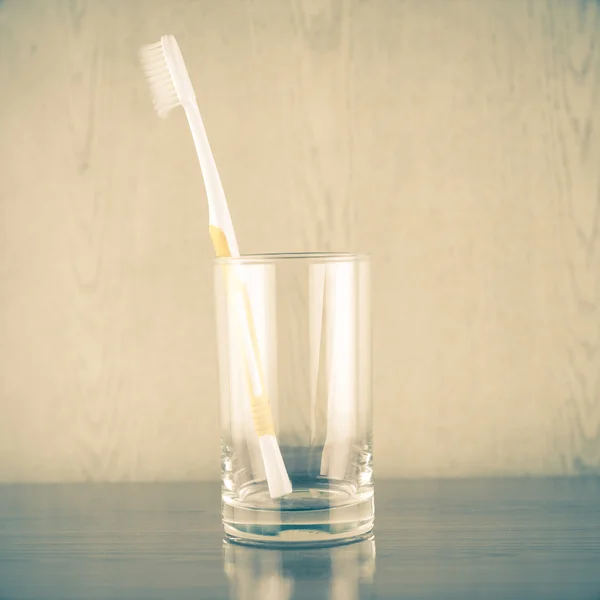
point(457, 141)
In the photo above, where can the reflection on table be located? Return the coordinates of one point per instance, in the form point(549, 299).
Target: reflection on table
point(337, 573)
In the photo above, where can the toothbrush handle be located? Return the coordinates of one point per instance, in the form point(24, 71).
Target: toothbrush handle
point(218, 210)
point(261, 410)
point(219, 241)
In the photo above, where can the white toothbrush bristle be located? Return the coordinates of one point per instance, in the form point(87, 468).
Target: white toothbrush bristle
point(154, 64)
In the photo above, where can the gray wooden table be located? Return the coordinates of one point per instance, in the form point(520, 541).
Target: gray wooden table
point(530, 538)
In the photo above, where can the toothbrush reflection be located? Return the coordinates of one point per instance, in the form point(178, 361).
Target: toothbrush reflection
point(337, 573)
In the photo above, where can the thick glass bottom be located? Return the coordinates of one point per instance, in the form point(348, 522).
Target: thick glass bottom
point(318, 512)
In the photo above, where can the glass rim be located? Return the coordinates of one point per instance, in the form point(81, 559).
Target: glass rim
point(273, 257)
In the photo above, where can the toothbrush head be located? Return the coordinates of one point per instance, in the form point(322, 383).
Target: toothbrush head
point(167, 75)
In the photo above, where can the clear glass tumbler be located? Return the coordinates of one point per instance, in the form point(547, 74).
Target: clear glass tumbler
point(294, 342)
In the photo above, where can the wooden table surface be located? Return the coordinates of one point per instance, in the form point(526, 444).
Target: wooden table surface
point(529, 538)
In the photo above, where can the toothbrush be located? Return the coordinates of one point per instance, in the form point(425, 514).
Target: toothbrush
point(170, 86)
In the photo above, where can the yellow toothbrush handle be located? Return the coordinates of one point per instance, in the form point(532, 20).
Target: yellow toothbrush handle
point(219, 241)
point(260, 407)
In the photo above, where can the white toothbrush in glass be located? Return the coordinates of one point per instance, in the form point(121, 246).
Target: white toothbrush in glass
point(170, 86)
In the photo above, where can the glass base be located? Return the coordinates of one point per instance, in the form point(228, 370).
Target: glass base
point(318, 512)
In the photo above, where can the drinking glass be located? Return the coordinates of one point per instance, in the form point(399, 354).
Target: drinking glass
point(297, 328)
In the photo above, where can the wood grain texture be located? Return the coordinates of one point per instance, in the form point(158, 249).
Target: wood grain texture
point(496, 539)
point(457, 142)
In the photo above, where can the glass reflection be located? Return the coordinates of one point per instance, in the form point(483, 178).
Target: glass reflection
point(337, 573)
